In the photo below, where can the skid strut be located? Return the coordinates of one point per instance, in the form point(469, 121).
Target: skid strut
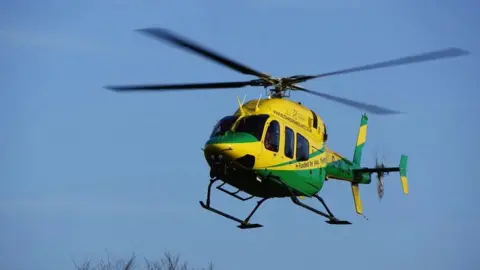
point(331, 218)
point(244, 224)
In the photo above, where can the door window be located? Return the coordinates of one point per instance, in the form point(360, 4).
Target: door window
point(272, 137)
point(289, 142)
point(303, 147)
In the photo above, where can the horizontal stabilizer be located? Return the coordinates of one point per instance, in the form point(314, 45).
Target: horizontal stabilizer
point(381, 171)
point(377, 170)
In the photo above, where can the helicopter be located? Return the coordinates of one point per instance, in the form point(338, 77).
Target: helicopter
point(275, 147)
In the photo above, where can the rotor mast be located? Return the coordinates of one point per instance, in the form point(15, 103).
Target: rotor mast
point(278, 87)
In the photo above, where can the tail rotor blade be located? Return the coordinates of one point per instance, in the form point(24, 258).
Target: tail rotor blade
point(380, 187)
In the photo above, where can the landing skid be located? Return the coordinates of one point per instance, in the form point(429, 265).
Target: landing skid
point(244, 224)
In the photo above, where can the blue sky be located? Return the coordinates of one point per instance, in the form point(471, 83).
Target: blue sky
point(84, 169)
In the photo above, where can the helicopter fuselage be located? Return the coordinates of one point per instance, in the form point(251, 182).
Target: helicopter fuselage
point(274, 146)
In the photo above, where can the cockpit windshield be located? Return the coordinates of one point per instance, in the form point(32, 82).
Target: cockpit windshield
point(253, 125)
point(224, 125)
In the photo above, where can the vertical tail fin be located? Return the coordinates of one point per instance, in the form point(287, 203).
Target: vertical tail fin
point(357, 158)
point(361, 138)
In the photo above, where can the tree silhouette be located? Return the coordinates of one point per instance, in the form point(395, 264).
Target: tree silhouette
point(168, 262)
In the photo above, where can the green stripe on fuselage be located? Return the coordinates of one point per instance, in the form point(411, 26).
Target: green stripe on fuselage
point(233, 137)
point(312, 155)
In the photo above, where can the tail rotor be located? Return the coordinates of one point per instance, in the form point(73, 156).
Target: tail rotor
point(380, 175)
point(381, 171)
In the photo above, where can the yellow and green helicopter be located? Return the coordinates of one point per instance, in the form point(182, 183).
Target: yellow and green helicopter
point(274, 147)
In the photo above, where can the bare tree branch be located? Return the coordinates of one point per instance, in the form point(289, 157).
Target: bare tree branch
point(168, 262)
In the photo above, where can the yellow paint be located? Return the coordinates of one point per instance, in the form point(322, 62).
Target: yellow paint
point(362, 135)
point(288, 114)
point(234, 151)
point(404, 184)
point(356, 199)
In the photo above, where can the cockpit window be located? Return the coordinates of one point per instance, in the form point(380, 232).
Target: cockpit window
point(224, 125)
point(253, 125)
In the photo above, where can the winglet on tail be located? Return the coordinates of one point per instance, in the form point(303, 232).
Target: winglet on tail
point(403, 173)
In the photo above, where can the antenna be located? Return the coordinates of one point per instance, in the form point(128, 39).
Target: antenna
point(240, 106)
point(258, 102)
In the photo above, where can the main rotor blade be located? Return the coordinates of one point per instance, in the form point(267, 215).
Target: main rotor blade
point(177, 40)
point(356, 104)
point(186, 86)
point(428, 56)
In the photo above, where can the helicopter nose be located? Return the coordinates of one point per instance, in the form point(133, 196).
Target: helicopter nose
point(230, 146)
point(220, 151)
